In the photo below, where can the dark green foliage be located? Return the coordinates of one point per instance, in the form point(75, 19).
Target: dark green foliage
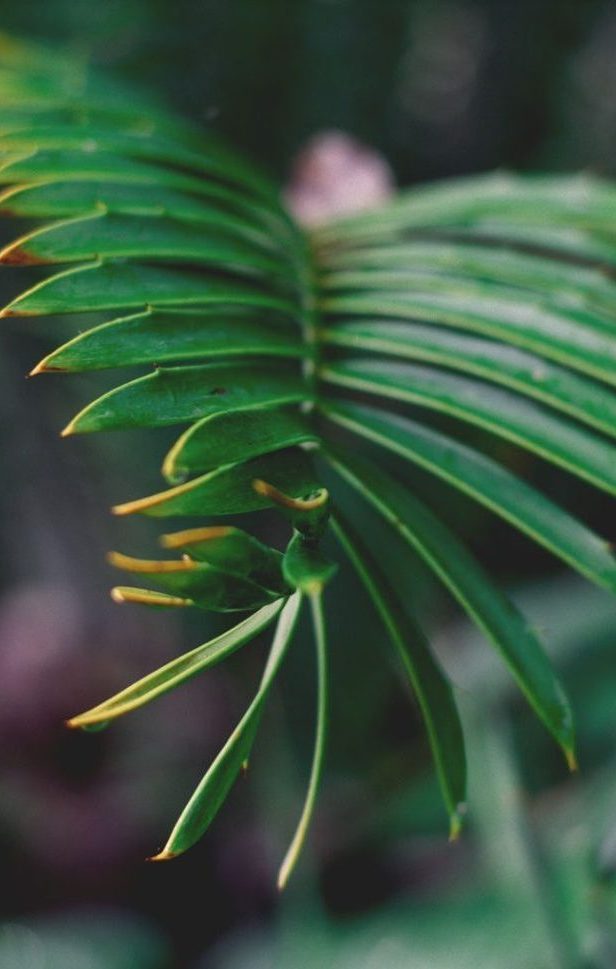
point(491, 300)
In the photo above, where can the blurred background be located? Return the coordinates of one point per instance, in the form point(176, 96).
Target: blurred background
point(438, 88)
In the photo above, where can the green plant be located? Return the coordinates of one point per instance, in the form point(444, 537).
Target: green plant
point(489, 300)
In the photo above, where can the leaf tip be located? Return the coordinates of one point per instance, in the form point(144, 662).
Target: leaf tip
point(139, 504)
point(572, 761)
point(191, 535)
point(277, 497)
point(282, 879)
point(455, 825)
point(45, 367)
point(164, 855)
point(83, 722)
point(15, 255)
point(8, 311)
point(128, 507)
point(40, 368)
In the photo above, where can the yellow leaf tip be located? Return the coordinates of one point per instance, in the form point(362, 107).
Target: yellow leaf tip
point(16, 255)
point(286, 869)
point(455, 828)
point(45, 367)
point(572, 761)
point(192, 535)
point(150, 566)
point(456, 822)
point(163, 855)
point(273, 494)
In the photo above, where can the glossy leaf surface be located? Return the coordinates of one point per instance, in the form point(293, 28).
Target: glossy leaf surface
point(204, 804)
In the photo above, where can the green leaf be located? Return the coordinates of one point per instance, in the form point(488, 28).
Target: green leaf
point(575, 245)
point(161, 335)
point(235, 436)
point(137, 191)
point(402, 266)
point(104, 236)
point(142, 123)
point(49, 78)
point(109, 286)
point(179, 670)
point(208, 586)
point(502, 413)
point(297, 842)
point(486, 605)
point(231, 489)
point(19, 167)
point(215, 785)
point(70, 199)
point(92, 139)
point(523, 372)
point(172, 395)
point(305, 567)
point(487, 482)
point(429, 684)
point(571, 199)
point(234, 551)
point(577, 337)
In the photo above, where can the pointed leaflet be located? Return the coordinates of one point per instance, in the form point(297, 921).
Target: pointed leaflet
point(571, 199)
point(19, 167)
point(502, 413)
point(231, 489)
point(146, 597)
point(118, 286)
point(215, 785)
point(179, 670)
point(173, 395)
point(523, 372)
point(85, 192)
point(211, 158)
point(486, 481)
point(429, 684)
point(579, 246)
point(564, 333)
point(74, 205)
point(101, 159)
point(207, 586)
point(398, 267)
point(64, 200)
point(235, 436)
point(17, 117)
point(575, 245)
point(492, 612)
point(104, 236)
point(297, 842)
point(233, 550)
point(165, 335)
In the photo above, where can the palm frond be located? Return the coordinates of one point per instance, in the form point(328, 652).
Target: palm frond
point(491, 300)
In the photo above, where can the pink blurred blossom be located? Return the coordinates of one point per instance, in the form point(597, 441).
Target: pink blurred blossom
point(334, 175)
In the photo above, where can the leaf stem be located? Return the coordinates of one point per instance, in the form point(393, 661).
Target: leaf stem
point(293, 852)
